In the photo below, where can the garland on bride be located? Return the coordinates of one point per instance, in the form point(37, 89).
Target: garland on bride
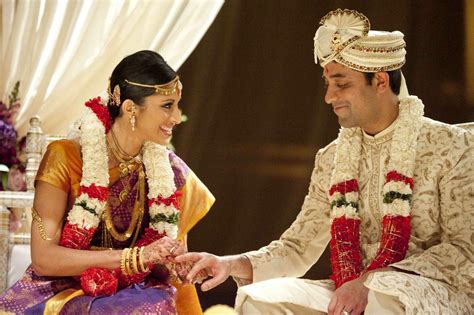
point(91, 202)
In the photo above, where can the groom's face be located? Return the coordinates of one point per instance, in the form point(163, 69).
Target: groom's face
point(353, 100)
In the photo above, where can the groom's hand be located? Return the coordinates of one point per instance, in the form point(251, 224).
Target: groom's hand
point(351, 297)
point(211, 265)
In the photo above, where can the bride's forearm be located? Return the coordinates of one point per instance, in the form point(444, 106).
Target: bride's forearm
point(55, 260)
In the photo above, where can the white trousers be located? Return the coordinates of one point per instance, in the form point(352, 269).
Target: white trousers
point(299, 296)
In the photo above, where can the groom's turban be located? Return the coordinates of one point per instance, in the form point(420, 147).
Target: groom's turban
point(345, 37)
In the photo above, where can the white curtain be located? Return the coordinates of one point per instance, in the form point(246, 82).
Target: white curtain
point(63, 51)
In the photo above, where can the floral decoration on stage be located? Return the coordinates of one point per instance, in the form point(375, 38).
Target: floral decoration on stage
point(12, 160)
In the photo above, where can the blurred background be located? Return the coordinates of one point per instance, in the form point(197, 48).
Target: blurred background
point(255, 102)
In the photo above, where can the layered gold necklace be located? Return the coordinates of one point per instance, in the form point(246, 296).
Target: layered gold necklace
point(127, 164)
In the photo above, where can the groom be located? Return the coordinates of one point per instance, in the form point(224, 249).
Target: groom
point(392, 197)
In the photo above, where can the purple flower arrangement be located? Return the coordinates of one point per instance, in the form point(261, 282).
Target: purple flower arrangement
point(10, 147)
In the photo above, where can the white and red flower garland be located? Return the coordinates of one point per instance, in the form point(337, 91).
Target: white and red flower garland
point(85, 216)
point(346, 259)
point(162, 195)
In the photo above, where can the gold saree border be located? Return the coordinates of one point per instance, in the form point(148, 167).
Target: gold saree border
point(55, 304)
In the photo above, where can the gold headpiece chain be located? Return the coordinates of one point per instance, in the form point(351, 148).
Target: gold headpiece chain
point(160, 88)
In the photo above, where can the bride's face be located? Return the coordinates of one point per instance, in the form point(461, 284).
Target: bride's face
point(158, 116)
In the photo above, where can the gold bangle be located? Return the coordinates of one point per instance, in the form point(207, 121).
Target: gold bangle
point(36, 217)
point(135, 260)
point(141, 260)
point(127, 262)
point(123, 261)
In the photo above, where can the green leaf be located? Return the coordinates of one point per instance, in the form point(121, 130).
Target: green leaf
point(392, 195)
point(343, 202)
point(84, 206)
point(160, 217)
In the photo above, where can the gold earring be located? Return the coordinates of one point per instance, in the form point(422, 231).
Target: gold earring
point(133, 121)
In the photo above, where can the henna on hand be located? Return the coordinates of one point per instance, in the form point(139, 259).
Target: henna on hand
point(160, 250)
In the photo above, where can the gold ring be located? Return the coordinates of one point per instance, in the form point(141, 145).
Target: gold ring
point(346, 312)
point(172, 249)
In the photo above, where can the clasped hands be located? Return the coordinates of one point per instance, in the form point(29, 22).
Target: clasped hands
point(350, 298)
point(188, 267)
point(163, 252)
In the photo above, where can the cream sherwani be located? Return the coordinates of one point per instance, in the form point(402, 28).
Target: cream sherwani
point(439, 277)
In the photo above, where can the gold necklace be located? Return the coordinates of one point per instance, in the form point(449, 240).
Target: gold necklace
point(120, 150)
point(125, 167)
point(136, 220)
point(122, 157)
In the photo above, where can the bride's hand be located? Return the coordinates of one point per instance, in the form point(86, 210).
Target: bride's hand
point(160, 250)
point(182, 269)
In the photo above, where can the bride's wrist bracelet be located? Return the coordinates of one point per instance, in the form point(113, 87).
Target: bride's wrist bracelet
point(133, 261)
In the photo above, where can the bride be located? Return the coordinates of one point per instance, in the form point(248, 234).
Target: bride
point(113, 207)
